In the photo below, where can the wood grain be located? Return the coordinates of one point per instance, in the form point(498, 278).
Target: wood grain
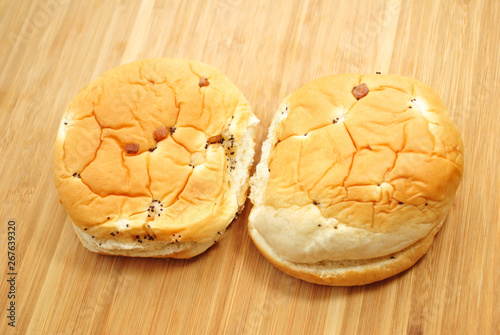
point(50, 49)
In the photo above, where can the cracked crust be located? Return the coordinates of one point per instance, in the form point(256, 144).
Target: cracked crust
point(179, 190)
point(342, 179)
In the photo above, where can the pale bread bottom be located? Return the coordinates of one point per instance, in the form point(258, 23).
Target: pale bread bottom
point(349, 272)
point(159, 249)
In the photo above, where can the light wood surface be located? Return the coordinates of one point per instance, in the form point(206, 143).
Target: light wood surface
point(50, 49)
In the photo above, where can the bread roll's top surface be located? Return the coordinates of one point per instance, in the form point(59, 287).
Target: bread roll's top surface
point(148, 149)
point(352, 176)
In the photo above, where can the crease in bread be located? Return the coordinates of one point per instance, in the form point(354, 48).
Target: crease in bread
point(136, 164)
point(352, 190)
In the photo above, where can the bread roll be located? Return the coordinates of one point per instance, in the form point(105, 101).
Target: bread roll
point(152, 158)
point(356, 177)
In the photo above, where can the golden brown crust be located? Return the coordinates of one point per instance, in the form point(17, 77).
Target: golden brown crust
point(349, 176)
point(132, 162)
point(352, 157)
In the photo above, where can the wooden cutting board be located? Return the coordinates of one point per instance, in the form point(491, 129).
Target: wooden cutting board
point(50, 49)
